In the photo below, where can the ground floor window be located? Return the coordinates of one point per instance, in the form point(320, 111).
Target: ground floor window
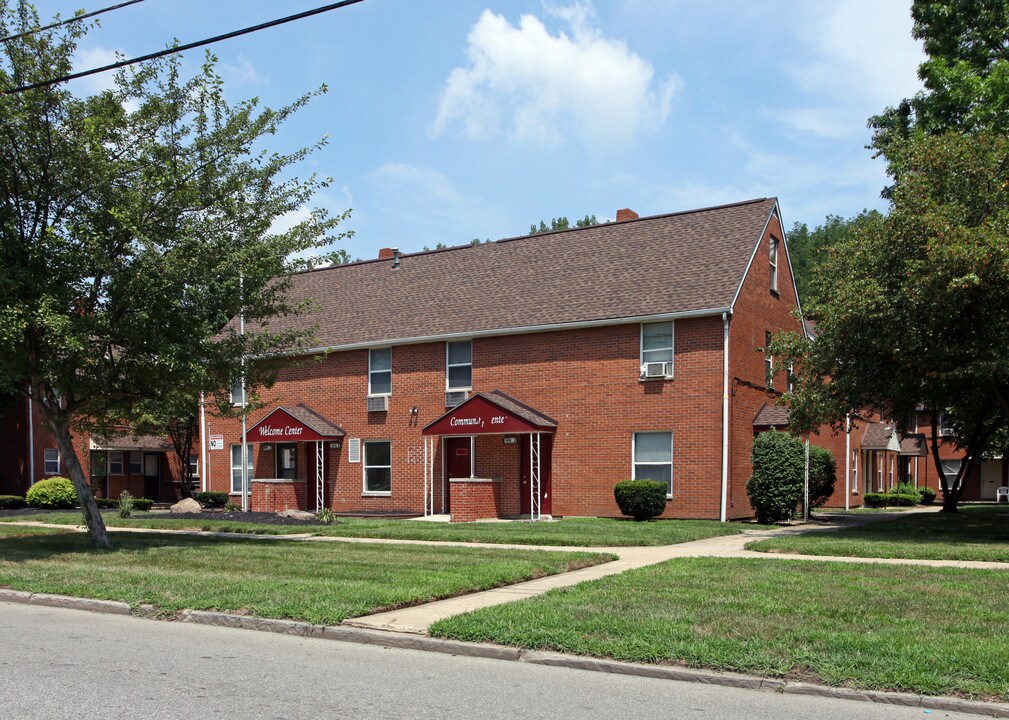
point(51, 459)
point(136, 463)
point(378, 466)
point(854, 472)
point(950, 468)
point(653, 458)
point(116, 462)
point(287, 461)
point(236, 466)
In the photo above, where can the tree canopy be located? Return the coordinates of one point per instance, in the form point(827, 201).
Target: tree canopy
point(805, 246)
point(562, 223)
point(134, 224)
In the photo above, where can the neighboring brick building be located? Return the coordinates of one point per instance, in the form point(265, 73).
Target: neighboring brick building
point(457, 381)
point(146, 466)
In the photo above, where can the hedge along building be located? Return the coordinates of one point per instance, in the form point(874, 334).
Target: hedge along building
point(530, 374)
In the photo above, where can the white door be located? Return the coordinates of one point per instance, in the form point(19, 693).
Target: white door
point(991, 478)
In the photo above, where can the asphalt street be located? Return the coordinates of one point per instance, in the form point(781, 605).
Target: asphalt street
point(57, 663)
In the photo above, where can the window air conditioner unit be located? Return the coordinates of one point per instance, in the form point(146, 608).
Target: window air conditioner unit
point(378, 404)
point(655, 370)
point(455, 397)
point(945, 431)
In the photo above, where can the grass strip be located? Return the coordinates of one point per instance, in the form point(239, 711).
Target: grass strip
point(315, 582)
point(975, 533)
point(576, 532)
point(927, 630)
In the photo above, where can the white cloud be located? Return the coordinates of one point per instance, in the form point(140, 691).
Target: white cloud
point(243, 73)
point(86, 59)
point(539, 87)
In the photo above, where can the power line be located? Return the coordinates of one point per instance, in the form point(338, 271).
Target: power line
point(187, 46)
point(75, 18)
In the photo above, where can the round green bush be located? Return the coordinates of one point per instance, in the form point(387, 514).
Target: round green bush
point(927, 495)
point(779, 467)
point(52, 493)
point(212, 499)
point(822, 475)
point(640, 499)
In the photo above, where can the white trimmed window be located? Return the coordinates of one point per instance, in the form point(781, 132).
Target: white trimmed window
point(950, 468)
point(380, 371)
point(768, 361)
point(194, 465)
point(136, 463)
point(459, 365)
point(773, 253)
point(378, 467)
point(854, 472)
point(51, 458)
point(657, 350)
point(653, 458)
point(236, 393)
point(236, 466)
point(115, 459)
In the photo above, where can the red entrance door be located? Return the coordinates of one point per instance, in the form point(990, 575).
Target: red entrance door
point(546, 457)
point(458, 462)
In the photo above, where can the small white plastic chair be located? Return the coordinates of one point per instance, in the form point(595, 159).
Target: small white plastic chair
point(1001, 494)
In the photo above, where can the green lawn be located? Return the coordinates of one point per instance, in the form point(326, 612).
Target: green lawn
point(978, 532)
point(581, 532)
point(929, 630)
point(317, 582)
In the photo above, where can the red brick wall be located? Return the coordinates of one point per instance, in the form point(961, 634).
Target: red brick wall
point(475, 500)
point(278, 496)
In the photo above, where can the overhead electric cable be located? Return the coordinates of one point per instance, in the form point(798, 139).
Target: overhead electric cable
point(183, 48)
point(75, 18)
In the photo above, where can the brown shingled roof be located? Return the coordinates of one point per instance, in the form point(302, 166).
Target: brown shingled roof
point(771, 415)
point(877, 436)
point(667, 264)
point(914, 445)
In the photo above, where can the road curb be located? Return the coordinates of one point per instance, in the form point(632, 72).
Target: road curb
point(425, 643)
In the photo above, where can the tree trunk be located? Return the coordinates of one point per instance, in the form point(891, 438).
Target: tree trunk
point(96, 525)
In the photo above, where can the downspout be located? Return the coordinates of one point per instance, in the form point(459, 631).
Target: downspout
point(847, 462)
point(723, 516)
point(31, 441)
point(203, 442)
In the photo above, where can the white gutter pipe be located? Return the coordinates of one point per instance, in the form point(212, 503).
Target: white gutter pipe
point(723, 515)
point(847, 462)
point(203, 442)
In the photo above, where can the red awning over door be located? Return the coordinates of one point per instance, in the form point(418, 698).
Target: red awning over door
point(491, 413)
point(293, 424)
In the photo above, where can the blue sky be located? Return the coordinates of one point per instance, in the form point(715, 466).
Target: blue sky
point(449, 121)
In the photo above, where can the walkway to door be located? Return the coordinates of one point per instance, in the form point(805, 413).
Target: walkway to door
point(496, 460)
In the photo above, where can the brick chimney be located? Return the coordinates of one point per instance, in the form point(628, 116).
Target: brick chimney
point(626, 214)
point(386, 253)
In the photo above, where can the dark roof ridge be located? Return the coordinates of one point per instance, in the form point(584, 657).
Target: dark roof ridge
point(514, 238)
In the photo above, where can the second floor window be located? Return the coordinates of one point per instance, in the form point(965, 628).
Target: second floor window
point(237, 393)
point(380, 371)
point(459, 365)
point(768, 361)
point(657, 349)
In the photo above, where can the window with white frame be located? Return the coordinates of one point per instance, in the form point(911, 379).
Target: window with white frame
point(854, 472)
point(136, 463)
point(237, 390)
point(51, 461)
point(194, 465)
point(236, 466)
point(768, 361)
point(773, 253)
point(653, 458)
point(459, 365)
point(115, 459)
point(380, 371)
point(657, 349)
point(378, 467)
point(950, 468)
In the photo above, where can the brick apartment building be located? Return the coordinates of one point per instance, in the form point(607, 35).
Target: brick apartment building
point(527, 376)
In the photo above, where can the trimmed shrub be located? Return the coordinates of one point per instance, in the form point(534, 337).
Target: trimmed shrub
point(927, 496)
point(903, 500)
point(142, 504)
point(52, 493)
point(107, 503)
point(12, 502)
point(640, 499)
point(875, 500)
point(908, 489)
point(822, 475)
point(779, 463)
point(212, 499)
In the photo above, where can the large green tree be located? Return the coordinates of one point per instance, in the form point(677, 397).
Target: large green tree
point(805, 246)
point(133, 225)
point(912, 310)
